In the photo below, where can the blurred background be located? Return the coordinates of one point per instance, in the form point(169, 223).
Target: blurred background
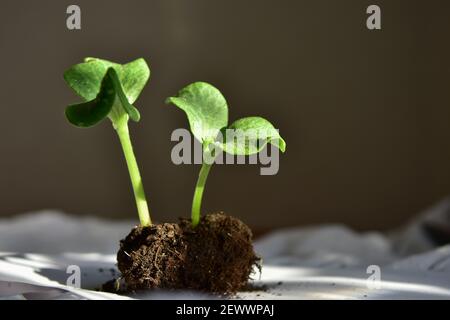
point(365, 113)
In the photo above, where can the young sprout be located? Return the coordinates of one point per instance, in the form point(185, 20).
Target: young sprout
point(109, 89)
point(207, 113)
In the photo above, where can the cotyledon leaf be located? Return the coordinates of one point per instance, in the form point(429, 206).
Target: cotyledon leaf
point(85, 78)
point(88, 114)
point(206, 110)
point(130, 109)
point(129, 80)
point(133, 75)
point(250, 135)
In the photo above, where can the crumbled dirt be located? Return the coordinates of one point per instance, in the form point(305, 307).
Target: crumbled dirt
point(220, 256)
point(153, 257)
point(217, 256)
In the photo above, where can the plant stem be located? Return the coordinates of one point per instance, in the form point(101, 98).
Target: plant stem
point(197, 201)
point(135, 176)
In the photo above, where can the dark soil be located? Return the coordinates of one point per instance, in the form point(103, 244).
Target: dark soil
point(220, 256)
point(217, 256)
point(153, 257)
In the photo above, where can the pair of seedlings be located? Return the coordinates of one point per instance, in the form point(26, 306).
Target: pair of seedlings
point(213, 254)
point(110, 89)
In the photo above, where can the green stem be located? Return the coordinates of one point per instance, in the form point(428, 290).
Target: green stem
point(136, 181)
point(197, 201)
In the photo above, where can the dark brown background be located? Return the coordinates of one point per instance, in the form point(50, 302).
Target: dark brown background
point(365, 113)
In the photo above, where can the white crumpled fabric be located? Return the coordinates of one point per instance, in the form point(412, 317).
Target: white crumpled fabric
point(323, 262)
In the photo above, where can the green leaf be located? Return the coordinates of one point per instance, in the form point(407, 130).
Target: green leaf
point(90, 113)
point(129, 80)
point(85, 78)
point(134, 77)
point(206, 109)
point(250, 135)
point(130, 109)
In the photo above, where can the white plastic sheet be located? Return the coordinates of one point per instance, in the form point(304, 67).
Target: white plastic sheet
point(37, 251)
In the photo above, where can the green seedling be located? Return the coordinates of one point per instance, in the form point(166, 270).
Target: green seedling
point(207, 113)
point(108, 90)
